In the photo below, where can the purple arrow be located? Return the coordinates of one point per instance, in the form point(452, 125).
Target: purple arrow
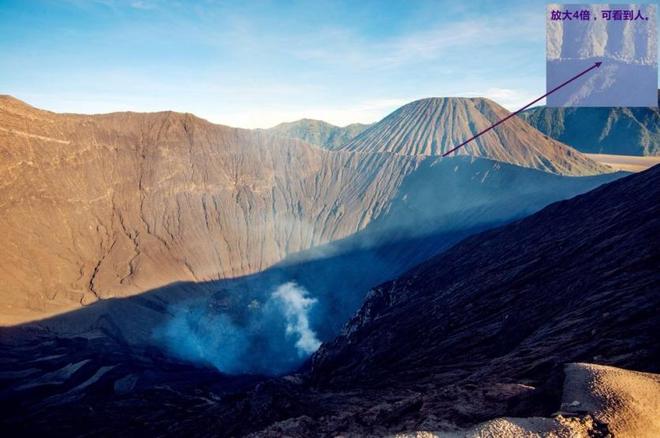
point(596, 65)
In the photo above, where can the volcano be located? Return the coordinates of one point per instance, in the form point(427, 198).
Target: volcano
point(434, 126)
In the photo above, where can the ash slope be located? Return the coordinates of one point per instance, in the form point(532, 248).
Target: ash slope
point(434, 126)
point(112, 205)
point(319, 132)
point(617, 131)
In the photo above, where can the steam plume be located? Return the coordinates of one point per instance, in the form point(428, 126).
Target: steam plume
point(263, 338)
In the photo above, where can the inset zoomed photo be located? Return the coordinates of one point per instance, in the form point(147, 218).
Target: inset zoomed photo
point(622, 37)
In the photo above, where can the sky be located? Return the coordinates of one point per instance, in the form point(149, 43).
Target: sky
point(258, 63)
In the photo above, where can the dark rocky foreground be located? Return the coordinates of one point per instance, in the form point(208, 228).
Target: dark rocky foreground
point(480, 331)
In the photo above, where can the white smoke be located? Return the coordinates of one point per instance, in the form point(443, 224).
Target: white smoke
point(296, 306)
point(270, 337)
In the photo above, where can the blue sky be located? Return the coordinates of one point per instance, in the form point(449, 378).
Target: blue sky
point(257, 63)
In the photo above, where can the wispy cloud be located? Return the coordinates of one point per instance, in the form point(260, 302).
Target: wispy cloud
point(347, 48)
point(143, 4)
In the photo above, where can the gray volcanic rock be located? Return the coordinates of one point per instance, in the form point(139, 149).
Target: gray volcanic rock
point(319, 132)
point(436, 125)
point(618, 131)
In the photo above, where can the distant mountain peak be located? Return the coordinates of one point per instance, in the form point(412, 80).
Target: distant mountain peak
point(318, 132)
